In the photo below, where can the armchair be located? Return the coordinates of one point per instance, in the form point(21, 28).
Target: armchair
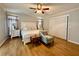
point(46, 38)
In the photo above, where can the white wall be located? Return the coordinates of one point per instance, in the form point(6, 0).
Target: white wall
point(28, 25)
point(58, 25)
point(46, 24)
point(3, 26)
point(73, 24)
point(25, 18)
point(28, 18)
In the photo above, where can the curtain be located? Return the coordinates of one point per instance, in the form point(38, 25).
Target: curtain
point(40, 25)
point(12, 23)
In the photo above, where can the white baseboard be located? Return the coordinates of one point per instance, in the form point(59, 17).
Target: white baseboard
point(69, 40)
point(73, 42)
point(3, 41)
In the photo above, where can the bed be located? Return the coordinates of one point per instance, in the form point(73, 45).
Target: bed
point(28, 29)
point(27, 34)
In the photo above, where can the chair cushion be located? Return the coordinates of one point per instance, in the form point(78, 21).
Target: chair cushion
point(48, 37)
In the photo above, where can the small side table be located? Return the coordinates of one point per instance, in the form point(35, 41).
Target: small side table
point(35, 39)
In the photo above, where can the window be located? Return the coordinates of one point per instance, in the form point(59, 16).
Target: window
point(12, 23)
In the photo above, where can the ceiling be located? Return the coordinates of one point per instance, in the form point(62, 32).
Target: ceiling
point(23, 8)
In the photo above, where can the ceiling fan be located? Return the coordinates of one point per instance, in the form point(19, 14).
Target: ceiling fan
point(39, 8)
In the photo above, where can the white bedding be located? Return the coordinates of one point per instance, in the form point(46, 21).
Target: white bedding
point(31, 32)
point(27, 34)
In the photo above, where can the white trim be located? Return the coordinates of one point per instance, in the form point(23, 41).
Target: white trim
point(73, 42)
point(63, 12)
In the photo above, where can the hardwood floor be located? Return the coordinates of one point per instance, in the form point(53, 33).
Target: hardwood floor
point(15, 47)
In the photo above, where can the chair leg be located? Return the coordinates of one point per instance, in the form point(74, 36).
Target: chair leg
point(24, 43)
point(11, 37)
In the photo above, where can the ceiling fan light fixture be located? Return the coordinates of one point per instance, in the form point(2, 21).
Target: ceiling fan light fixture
point(43, 12)
point(40, 9)
point(39, 6)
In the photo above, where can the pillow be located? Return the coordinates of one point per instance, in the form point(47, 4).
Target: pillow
point(45, 33)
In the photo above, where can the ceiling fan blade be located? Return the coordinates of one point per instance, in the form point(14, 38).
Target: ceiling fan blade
point(45, 8)
point(42, 12)
point(32, 8)
point(35, 11)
